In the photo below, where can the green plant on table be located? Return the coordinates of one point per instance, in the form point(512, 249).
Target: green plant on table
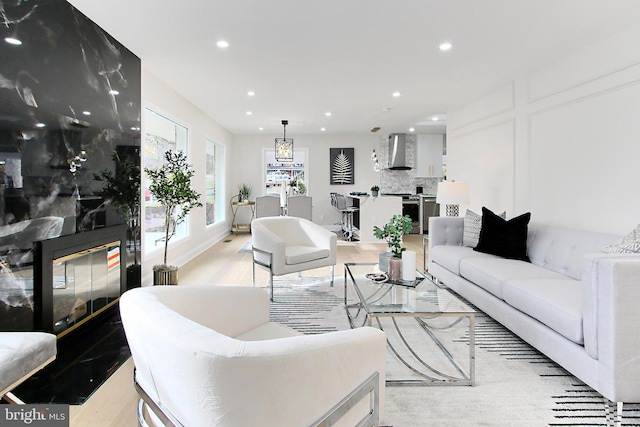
point(393, 231)
point(244, 191)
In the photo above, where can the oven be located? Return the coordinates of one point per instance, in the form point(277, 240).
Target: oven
point(412, 208)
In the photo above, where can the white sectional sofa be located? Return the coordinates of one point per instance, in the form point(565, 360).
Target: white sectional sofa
point(574, 303)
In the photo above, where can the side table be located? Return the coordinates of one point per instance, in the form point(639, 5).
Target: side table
point(235, 207)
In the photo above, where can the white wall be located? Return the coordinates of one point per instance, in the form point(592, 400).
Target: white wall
point(562, 142)
point(159, 97)
point(247, 161)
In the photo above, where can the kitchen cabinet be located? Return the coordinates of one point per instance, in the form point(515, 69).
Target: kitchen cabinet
point(428, 161)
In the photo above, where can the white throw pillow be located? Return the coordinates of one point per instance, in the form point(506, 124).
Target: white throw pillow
point(630, 244)
point(472, 226)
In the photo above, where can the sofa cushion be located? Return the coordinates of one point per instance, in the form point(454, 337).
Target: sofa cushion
point(507, 239)
point(472, 227)
point(562, 249)
point(450, 256)
point(268, 331)
point(300, 254)
point(556, 303)
point(491, 273)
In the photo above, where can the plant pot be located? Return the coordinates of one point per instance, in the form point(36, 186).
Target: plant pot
point(165, 274)
point(383, 261)
point(134, 276)
point(395, 268)
point(374, 193)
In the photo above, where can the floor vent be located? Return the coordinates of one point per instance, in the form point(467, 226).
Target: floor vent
point(227, 241)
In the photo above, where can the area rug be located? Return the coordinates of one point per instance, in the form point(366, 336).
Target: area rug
point(515, 384)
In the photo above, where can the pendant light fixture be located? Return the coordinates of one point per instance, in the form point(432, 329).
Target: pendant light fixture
point(284, 146)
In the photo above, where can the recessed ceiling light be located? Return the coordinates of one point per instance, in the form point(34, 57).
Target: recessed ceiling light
point(249, 113)
point(435, 118)
point(322, 129)
point(261, 129)
point(114, 92)
point(12, 40)
point(412, 130)
point(40, 125)
point(328, 114)
point(251, 93)
point(445, 46)
point(396, 94)
point(222, 44)
point(386, 109)
point(86, 113)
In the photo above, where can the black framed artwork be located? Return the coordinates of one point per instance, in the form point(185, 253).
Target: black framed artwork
point(341, 166)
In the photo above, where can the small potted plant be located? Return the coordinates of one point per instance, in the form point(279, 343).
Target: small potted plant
point(122, 189)
point(244, 191)
point(392, 232)
point(171, 187)
point(374, 190)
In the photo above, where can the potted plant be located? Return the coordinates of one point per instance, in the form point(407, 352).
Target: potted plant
point(392, 232)
point(374, 190)
point(244, 191)
point(122, 190)
point(171, 187)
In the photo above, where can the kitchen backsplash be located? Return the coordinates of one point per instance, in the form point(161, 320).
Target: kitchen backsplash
point(403, 181)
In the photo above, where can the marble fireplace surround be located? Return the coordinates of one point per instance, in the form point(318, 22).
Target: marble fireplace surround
point(70, 97)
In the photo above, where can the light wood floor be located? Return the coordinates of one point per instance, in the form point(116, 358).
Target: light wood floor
point(114, 404)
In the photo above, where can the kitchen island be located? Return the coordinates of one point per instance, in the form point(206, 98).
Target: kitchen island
point(374, 211)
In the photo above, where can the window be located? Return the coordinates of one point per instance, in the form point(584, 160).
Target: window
point(294, 173)
point(161, 134)
point(214, 185)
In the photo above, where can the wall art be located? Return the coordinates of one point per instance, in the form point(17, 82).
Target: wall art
point(341, 166)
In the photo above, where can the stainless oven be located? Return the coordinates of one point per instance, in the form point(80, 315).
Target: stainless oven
point(411, 207)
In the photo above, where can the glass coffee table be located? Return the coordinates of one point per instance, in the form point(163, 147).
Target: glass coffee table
point(428, 328)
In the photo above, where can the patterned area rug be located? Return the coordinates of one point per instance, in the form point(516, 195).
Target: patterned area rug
point(515, 384)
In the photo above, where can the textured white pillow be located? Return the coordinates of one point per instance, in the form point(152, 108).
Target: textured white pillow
point(472, 226)
point(630, 244)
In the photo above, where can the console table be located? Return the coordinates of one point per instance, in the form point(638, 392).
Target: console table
point(235, 207)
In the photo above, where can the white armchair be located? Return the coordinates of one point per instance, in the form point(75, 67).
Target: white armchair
point(208, 356)
point(289, 244)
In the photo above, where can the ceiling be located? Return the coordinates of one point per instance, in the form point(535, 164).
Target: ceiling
point(306, 58)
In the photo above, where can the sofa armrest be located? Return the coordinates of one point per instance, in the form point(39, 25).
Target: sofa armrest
point(611, 292)
point(445, 230)
point(266, 240)
point(321, 237)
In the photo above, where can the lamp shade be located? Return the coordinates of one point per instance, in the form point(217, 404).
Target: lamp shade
point(452, 193)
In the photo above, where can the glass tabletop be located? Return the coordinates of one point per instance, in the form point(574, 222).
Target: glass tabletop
point(421, 296)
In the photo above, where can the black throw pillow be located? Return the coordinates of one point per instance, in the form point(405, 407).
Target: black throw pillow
point(500, 237)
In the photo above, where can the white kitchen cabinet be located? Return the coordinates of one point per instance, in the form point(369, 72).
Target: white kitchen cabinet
point(429, 155)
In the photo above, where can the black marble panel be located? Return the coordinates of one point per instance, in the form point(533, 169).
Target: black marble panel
point(86, 358)
point(69, 99)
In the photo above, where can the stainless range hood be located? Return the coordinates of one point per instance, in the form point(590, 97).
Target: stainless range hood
point(398, 152)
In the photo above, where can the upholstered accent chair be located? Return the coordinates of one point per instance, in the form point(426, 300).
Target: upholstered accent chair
point(22, 354)
point(209, 356)
point(288, 244)
point(268, 206)
point(300, 206)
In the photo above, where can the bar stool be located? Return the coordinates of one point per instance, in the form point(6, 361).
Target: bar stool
point(339, 201)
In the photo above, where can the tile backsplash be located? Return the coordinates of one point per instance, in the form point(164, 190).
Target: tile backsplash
point(403, 181)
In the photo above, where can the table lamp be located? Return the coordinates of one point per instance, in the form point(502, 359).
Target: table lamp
point(452, 194)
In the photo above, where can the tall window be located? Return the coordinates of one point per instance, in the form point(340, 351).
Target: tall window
point(161, 134)
point(214, 170)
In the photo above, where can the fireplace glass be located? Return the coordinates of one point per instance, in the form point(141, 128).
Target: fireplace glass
point(84, 283)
